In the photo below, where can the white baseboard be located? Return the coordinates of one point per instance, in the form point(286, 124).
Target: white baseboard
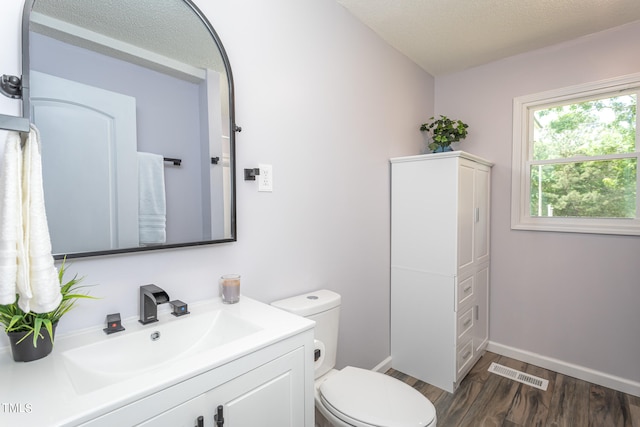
point(601, 378)
point(383, 366)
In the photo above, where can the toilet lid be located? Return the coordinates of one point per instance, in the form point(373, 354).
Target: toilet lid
point(368, 398)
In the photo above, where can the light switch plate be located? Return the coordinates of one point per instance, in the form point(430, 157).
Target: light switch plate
point(265, 179)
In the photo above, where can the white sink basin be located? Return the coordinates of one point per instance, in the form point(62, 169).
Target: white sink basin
point(125, 354)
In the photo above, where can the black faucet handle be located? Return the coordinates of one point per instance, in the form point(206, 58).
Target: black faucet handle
point(179, 308)
point(114, 324)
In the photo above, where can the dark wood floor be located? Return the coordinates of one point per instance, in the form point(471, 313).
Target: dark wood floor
point(486, 399)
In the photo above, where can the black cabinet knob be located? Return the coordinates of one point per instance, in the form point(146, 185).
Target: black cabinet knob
point(219, 419)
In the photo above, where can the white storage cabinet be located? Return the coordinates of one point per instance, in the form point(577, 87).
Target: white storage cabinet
point(439, 265)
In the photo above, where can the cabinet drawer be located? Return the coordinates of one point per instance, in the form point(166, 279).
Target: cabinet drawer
point(464, 356)
point(465, 322)
point(464, 291)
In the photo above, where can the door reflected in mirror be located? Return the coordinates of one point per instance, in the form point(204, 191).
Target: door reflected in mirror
point(134, 104)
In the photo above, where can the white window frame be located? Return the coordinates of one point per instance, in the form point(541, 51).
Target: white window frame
point(523, 107)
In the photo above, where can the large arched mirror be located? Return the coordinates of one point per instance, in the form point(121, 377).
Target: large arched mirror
point(133, 100)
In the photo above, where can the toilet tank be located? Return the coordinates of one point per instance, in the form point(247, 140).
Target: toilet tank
point(323, 307)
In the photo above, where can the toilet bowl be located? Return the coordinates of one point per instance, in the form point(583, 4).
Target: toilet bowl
point(354, 397)
point(362, 398)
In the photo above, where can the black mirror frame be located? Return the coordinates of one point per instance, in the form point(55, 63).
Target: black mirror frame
point(26, 107)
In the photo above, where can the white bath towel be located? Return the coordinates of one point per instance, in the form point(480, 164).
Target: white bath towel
point(10, 217)
point(152, 209)
point(40, 292)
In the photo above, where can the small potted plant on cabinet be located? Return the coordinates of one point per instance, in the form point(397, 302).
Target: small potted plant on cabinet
point(31, 334)
point(443, 132)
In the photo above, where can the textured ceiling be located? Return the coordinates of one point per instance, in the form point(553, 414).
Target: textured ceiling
point(166, 27)
point(445, 36)
point(441, 36)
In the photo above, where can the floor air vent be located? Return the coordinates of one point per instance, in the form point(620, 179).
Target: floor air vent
point(521, 377)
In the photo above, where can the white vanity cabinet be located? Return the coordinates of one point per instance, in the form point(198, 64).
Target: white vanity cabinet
point(268, 387)
point(268, 395)
point(439, 265)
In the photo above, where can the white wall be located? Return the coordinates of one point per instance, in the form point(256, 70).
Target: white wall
point(570, 299)
point(326, 102)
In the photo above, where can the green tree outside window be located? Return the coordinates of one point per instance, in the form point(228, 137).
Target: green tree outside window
point(578, 167)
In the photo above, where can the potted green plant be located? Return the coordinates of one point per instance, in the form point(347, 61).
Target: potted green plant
point(443, 132)
point(32, 334)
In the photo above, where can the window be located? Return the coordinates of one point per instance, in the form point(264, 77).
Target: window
point(575, 159)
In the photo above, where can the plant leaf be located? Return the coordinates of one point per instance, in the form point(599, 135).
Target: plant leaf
point(15, 319)
point(36, 330)
point(48, 325)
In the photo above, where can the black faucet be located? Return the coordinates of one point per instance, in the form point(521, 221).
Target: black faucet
point(151, 296)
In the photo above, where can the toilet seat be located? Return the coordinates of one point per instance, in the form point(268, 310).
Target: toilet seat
point(364, 398)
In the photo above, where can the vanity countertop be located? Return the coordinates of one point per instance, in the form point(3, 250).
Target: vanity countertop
point(42, 393)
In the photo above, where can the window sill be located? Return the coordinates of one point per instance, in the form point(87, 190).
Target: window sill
point(624, 227)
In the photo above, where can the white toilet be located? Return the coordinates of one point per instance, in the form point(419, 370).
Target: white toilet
point(353, 396)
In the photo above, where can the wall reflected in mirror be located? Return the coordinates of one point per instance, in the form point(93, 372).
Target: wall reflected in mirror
point(114, 88)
